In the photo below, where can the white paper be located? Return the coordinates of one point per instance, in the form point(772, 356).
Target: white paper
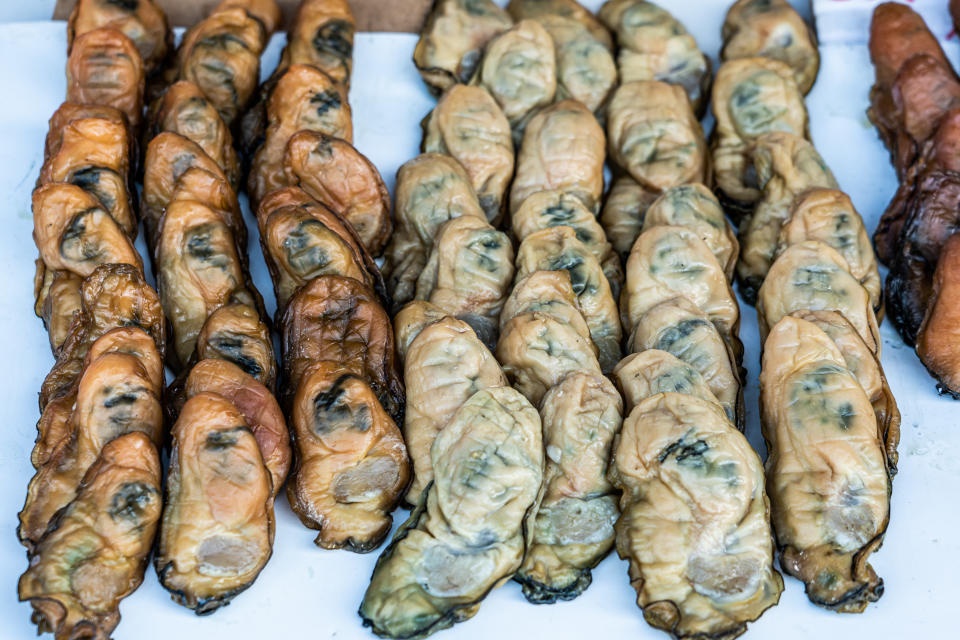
point(306, 592)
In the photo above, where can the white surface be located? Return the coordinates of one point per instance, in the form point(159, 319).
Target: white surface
point(308, 592)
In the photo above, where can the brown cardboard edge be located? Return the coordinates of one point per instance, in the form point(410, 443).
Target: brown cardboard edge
point(396, 16)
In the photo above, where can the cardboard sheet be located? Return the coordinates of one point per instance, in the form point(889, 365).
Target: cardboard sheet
point(305, 592)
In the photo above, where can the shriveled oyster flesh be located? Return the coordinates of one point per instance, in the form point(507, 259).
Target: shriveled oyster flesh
point(812, 275)
point(826, 468)
point(772, 29)
point(143, 21)
point(256, 403)
point(470, 532)
point(344, 180)
point(119, 392)
point(563, 148)
point(444, 365)
point(935, 344)
point(550, 292)
point(570, 10)
point(553, 208)
point(351, 464)
point(95, 551)
point(217, 529)
point(413, 318)
point(654, 136)
point(624, 211)
point(57, 302)
point(695, 519)
point(70, 111)
point(647, 373)
point(469, 273)
point(519, 69)
point(573, 531)
point(666, 262)
point(655, 46)
point(828, 216)
point(557, 248)
point(452, 40)
point(235, 333)
point(105, 68)
point(695, 207)
point(751, 97)
point(786, 165)
point(468, 125)
point(322, 35)
point(431, 189)
point(680, 328)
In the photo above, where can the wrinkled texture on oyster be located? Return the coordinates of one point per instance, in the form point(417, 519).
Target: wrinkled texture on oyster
point(812, 275)
point(351, 465)
point(413, 318)
point(550, 292)
point(669, 261)
point(654, 136)
point(695, 519)
point(468, 125)
point(826, 467)
point(680, 328)
point(647, 373)
point(322, 35)
point(341, 178)
point(468, 274)
point(143, 21)
point(772, 29)
point(558, 248)
point(828, 216)
point(57, 301)
point(217, 529)
point(624, 211)
point(470, 532)
point(695, 207)
point(785, 166)
point(655, 46)
point(936, 344)
point(445, 364)
point(570, 10)
point(431, 189)
point(452, 40)
point(573, 531)
point(235, 333)
point(95, 551)
point(751, 97)
point(338, 319)
point(563, 148)
point(70, 111)
point(104, 68)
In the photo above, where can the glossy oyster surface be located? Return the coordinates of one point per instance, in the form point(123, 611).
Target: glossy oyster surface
point(95, 552)
point(217, 529)
point(654, 136)
point(655, 46)
point(469, 273)
point(624, 211)
point(431, 189)
point(935, 339)
point(452, 40)
point(573, 530)
point(444, 365)
point(143, 21)
point(786, 165)
point(105, 68)
point(563, 148)
point(57, 300)
point(341, 178)
point(772, 29)
point(322, 35)
point(469, 533)
point(695, 207)
point(652, 371)
point(236, 334)
point(351, 464)
point(826, 468)
point(695, 519)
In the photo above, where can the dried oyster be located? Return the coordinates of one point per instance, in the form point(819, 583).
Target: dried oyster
point(70, 111)
point(563, 148)
point(772, 29)
point(321, 35)
point(624, 211)
point(826, 468)
point(586, 70)
point(695, 519)
point(654, 136)
point(550, 292)
point(217, 529)
point(645, 374)
point(452, 40)
point(104, 68)
point(95, 551)
point(573, 531)
point(570, 10)
point(936, 344)
point(235, 333)
point(470, 532)
point(143, 21)
point(57, 295)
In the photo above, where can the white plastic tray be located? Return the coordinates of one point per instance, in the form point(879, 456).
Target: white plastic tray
point(307, 592)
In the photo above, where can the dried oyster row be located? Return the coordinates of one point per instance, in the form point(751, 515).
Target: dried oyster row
point(915, 105)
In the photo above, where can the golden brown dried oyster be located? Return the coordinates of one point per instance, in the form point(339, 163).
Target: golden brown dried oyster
point(104, 68)
point(321, 35)
point(143, 21)
point(935, 338)
point(695, 518)
point(470, 532)
point(624, 211)
point(235, 333)
point(647, 373)
point(826, 467)
point(95, 551)
point(57, 295)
